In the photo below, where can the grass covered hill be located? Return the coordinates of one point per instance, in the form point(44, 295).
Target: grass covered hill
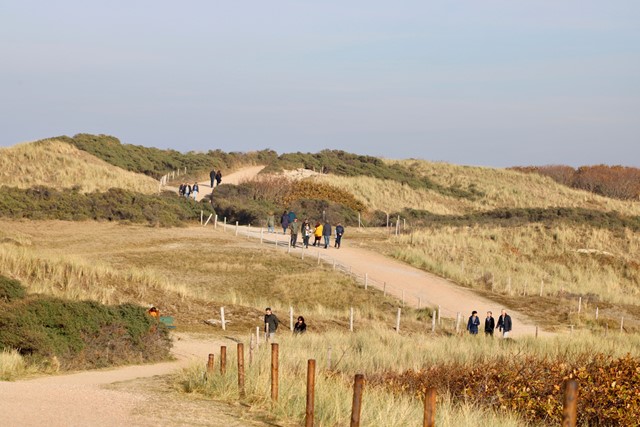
point(155, 162)
point(56, 164)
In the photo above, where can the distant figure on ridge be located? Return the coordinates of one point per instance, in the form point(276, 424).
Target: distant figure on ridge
point(317, 234)
point(212, 175)
point(194, 190)
point(284, 222)
point(473, 323)
point(504, 324)
point(271, 222)
point(295, 229)
point(300, 326)
point(219, 177)
point(326, 233)
point(271, 323)
point(339, 233)
point(489, 324)
point(306, 233)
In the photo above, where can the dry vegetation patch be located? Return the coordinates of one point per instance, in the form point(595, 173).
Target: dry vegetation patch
point(60, 165)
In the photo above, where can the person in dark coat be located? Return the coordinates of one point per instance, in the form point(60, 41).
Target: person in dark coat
point(504, 324)
point(473, 323)
point(300, 327)
point(284, 221)
point(339, 233)
point(489, 324)
point(219, 177)
point(326, 233)
point(271, 323)
point(212, 175)
point(292, 216)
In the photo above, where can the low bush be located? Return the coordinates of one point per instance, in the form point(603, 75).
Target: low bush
point(156, 162)
point(521, 216)
point(10, 289)
point(609, 389)
point(252, 202)
point(39, 203)
point(81, 334)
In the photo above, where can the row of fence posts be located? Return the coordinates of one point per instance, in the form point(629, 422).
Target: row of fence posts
point(569, 413)
point(366, 281)
point(171, 175)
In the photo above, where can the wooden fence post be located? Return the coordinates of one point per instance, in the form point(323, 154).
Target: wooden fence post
point(622, 324)
point(384, 289)
point(274, 372)
point(439, 317)
point(351, 319)
point(429, 419)
point(291, 318)
point(579, 305)
point(251, 348)
point(223, 322)
point(223, 359)
point(596, 313)
point(458, 322)
point(356, 406)
point(208, 219)
point(215, 221)
point(398, 320)
point(311, 383)
point(541, 287)
point(366, 281)
point(201, 217)
point(210, 363)
point(433, 321)
point(241, 370)
point(569, 411)
point(236, 228)
point(257, 336)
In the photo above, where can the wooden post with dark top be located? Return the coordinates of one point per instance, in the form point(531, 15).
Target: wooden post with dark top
point(223, 359)
point(356, 406)
point(274, 372)
point(311, 383)
point(570, 409)
point(429, 408)
point(241, 370)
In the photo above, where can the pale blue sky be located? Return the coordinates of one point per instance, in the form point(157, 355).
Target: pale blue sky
point(495, 83)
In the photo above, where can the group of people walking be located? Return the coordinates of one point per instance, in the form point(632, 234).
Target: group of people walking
point(504, 324)
point(290, 223)
point(215, 176)
point(188, 190)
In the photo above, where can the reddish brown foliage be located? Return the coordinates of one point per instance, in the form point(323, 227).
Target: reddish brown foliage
point(619, 182)
point(609, 389)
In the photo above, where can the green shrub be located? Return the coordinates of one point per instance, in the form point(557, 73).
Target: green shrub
point(82, 334)
point(10, 289)
point(156, 162)
point(521, 216)
point(166, 209)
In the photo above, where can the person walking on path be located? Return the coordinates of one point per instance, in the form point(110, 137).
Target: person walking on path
point(284, 221)
point(317, 234)
point(300, 327)
point(271, 222)
point(212, 175)
point(339, 233)
point(292, 216)
point(504, 324)
point(306, 233)
point(187, 190)
point(489, 324)
point(473, 323)
point(295, 229)
point(271, 323)
point(194, 190)
point(219, 177)
point(326, 233)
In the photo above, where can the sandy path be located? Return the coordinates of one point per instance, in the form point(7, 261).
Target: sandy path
point(99, 398)
point(233, 178)
point(417, 286)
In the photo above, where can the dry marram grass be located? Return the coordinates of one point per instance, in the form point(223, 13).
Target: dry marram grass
point(60, 165)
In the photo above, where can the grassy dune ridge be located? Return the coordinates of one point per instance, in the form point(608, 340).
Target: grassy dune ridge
point(59, 165)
